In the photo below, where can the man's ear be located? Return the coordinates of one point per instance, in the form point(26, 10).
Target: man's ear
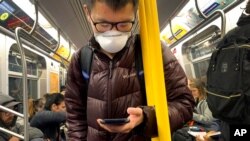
point(86, 11)
point(53, 107)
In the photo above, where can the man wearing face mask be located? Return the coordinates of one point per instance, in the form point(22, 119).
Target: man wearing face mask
point(113, 89)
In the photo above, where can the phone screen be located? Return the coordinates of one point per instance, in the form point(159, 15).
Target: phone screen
point(117, 121)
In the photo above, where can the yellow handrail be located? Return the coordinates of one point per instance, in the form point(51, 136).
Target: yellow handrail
point(153, 66)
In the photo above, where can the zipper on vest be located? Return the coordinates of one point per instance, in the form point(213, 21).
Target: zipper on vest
point(110, 89)
point(110, 69)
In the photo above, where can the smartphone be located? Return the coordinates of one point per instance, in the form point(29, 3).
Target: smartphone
point(195, 129)
point(117, 121)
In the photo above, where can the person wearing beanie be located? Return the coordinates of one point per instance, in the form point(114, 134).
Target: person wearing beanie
point(8, 121)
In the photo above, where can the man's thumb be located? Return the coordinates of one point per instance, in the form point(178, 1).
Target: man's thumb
point(134, 111)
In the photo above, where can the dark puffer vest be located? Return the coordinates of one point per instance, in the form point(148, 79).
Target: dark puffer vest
point(113, 87)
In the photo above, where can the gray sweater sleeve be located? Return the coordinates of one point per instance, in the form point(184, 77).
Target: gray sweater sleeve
point(33, 132)
point(203, 114)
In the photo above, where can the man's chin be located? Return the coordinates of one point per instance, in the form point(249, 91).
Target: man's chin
point(9, 123)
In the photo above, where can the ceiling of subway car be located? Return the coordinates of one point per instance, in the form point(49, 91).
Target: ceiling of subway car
point(70, 19)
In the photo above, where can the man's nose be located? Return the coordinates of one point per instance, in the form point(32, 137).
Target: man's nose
point(11, 114)
point(8, 114)
point(114, 27)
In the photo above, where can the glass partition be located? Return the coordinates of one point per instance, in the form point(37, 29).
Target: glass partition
point(15, 61)
point(35, 66)
point(16, 90)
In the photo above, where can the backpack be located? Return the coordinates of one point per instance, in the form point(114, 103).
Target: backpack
point(86, 63)
point(228, 82)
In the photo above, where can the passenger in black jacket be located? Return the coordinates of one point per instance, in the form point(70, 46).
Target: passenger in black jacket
point(240, 34)
point(51, 118)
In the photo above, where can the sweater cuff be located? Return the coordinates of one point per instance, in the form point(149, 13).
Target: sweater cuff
point(148, 127)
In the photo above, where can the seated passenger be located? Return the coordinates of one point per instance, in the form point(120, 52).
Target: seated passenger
point(203, 120)
point(202, 115)
point(40, 103)
point(8, 121)
point(50, 119)
point(31, 110)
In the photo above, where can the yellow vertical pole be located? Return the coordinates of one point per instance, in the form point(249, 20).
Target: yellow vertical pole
point(153, 66)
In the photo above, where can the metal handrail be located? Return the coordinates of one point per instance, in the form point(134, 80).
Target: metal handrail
point(59, 40)
point(203, 23)
point(36, 20)
point(199, 10)
point(26, 42)
point(35, 41)
point(15, 113)
point(24, 34)
point(171, 30)
point(24, 72)
point(221, 13)
point(69, 51)
point(11, 111)
point(58, 32)
point(24, 80)
point(12, 133)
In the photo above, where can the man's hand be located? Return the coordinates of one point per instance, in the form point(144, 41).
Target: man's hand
point(206, 137)
point(13, 138)
point(135, 116)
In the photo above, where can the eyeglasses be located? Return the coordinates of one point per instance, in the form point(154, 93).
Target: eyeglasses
point(9, 113)
point(125, 26)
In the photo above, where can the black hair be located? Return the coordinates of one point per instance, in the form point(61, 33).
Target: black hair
point(46, 95)
point(248, 7)
point(54, 98)
point(114, 4)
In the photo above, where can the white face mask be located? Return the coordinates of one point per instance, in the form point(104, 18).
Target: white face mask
point(112, 41)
